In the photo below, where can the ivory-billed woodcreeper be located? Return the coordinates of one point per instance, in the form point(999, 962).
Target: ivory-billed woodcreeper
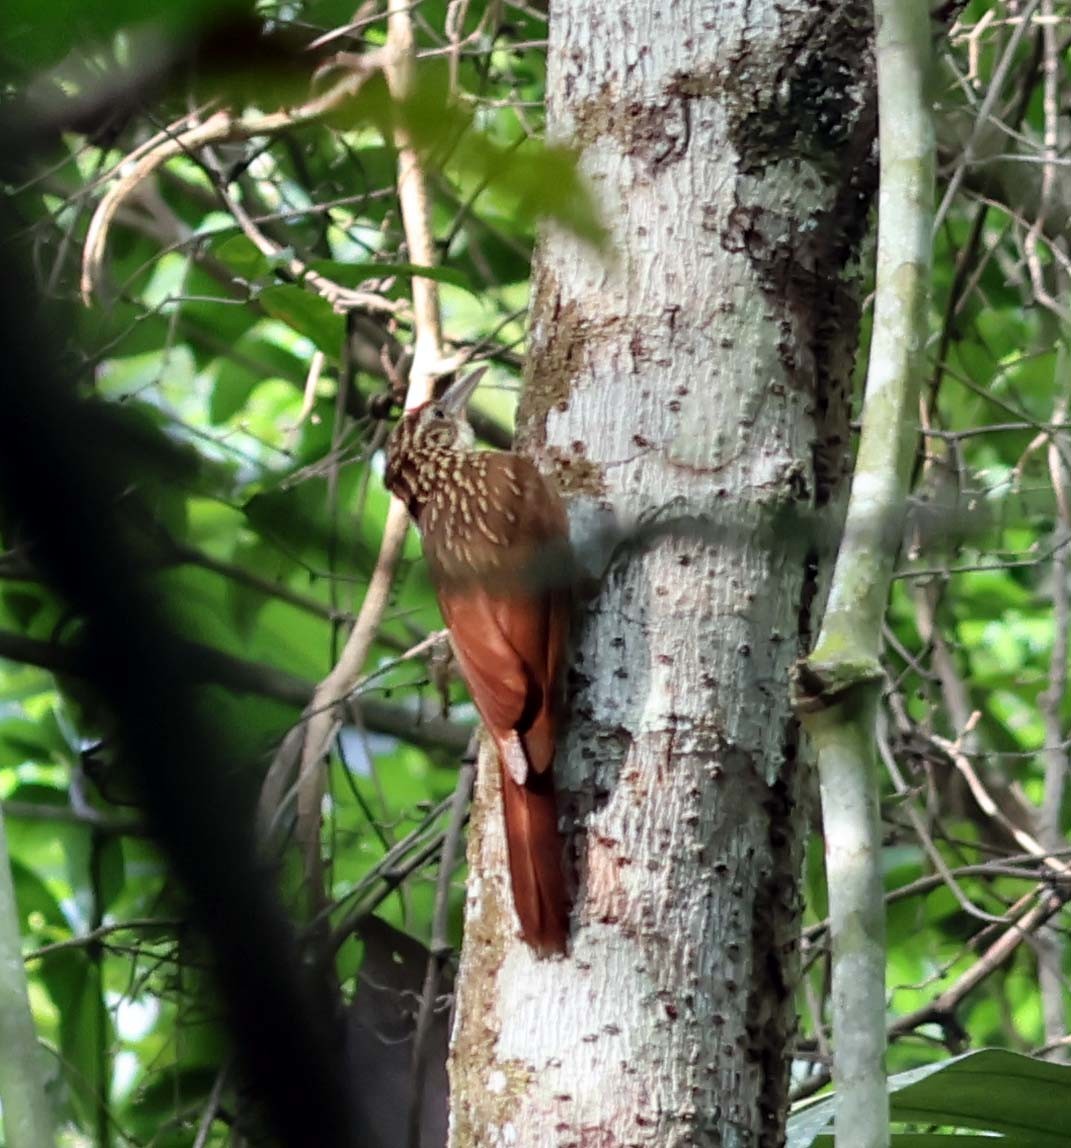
point(493, 532)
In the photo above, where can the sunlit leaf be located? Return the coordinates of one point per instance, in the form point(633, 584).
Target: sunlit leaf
point(999, 1092)
point(306, 314)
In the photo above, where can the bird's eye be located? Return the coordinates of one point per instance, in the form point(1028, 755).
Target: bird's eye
point(438, 413)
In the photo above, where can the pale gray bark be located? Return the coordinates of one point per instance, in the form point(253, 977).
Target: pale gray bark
point(1051, 943)
point(27, 1119)
point(696, 380)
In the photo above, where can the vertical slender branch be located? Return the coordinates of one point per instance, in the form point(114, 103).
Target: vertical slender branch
point(1052, 946)
point(839, 684)
point(413, 199)
point(27, 1120)
point(324, 717)
point(101, 1082)
point(208, 1115)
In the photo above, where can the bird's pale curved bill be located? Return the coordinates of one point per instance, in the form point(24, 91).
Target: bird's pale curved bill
point(456, 399)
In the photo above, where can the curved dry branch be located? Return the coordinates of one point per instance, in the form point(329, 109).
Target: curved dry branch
point(225, 127)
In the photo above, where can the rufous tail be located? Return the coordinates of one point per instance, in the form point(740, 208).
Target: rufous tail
point(536, 861)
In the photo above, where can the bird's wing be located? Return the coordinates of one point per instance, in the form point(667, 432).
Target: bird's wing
point(504, 646)
point(492, 668)
point(507, 618)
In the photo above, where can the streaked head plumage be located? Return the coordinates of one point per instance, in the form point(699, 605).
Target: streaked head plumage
point(425, 440)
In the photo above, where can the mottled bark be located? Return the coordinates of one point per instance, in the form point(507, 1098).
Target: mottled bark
point(695, 384)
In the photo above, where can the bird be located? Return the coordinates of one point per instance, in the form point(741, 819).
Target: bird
point(496, 541)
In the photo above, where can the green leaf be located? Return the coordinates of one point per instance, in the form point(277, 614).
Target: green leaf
point(235, 382)
point(33, 34)
point(36, 903)
point(85, 1028)
point(181, 1089)
point(254, 358)
point(991, 1090)
point(23, 604)
point(22, 740)
point(936, 1140)
point(241, 254)
point(525, 179)
point(307, 314)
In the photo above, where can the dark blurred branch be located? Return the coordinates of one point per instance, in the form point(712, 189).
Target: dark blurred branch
point(191, 556)
point(211, 665)
point(58, 488)
point(98, 822)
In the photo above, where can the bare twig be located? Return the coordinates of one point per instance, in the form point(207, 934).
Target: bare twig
point(439, 949)
point(926, 841)
point(208, 1116)
point(1051, 100)
point(388, 879)
point(288, 758)
point(990, 808)
point(996, 87)
point(98, 934)
point(191, 556)
point(1006, 867)
point(942, 1008)
point(341, 298)
point(944, 1005)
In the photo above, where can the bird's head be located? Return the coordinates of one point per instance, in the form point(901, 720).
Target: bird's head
point(424, 439)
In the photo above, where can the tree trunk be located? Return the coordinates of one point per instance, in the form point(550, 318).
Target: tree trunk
point(690, 393)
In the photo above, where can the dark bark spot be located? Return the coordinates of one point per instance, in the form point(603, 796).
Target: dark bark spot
point(770, 1021)
point(808, 592)
point(655, 133)
point(576, 475)
point(809, 104)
